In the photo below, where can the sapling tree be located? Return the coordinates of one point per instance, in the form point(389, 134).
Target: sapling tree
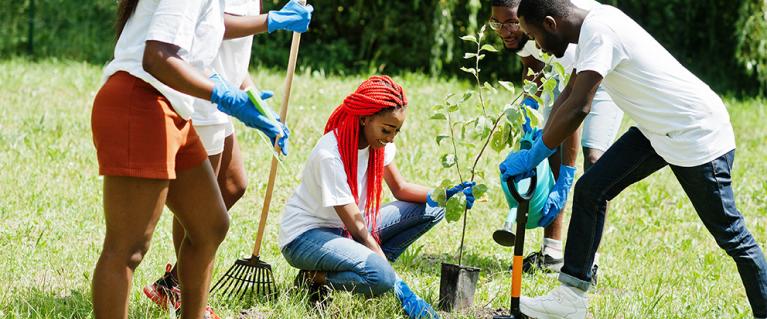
point(495, 124)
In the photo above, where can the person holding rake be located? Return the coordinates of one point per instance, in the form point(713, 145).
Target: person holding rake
point(334, 228)
point(149, 153)
point(242, 19)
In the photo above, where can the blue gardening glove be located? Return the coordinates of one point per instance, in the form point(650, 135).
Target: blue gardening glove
point(265, 95)
point(558, 196)
point(236, 103)
point(465, 187)
point(293, 17)
point(533, 104)
point(414, 306)
point(522, 164)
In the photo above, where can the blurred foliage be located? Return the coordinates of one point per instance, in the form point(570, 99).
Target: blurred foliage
point(723, 42)
point(751, 50)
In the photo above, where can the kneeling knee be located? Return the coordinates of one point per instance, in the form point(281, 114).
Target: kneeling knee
point(381, 278)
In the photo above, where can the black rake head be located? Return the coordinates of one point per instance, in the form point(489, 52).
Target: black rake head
point(249, 277)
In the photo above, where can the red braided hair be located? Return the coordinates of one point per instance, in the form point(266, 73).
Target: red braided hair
point(376, 94)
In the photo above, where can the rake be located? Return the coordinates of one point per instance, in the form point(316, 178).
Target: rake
point(252, 276)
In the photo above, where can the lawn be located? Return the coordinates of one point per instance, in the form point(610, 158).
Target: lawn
point(657, 259)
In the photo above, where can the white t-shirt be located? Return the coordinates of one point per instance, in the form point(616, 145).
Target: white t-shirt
point(323, 185)
point(685, 121)
point(195, 26)
point(231, 64)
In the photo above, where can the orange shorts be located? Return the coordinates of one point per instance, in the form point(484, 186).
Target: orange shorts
point(138, 134)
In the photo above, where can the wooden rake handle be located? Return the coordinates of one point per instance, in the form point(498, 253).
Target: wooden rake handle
point(283, 117)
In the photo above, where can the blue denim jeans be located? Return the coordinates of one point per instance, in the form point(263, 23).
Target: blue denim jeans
point(350, 265)
point(709, 187)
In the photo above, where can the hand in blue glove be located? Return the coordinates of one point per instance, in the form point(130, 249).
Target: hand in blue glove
point(414, 306)
point(521, 164)
point(236, 103)
point(465, 187)
point(293, 17)
point(533, 104)
point(558, 196)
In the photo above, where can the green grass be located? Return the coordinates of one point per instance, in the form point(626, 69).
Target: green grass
point(657, 260)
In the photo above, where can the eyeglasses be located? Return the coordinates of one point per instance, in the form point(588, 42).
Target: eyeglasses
point(497, 26)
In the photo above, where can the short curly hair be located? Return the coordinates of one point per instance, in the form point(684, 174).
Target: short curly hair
point(505, 3)
point(534, 11)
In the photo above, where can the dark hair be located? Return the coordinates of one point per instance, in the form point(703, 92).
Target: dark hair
point(534, 11)
point(125, 9)
point(505, 3)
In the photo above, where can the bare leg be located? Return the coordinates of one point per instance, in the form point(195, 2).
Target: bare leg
point(196, 202)
point(232, 179)
point(178, 230)
point(132, 207)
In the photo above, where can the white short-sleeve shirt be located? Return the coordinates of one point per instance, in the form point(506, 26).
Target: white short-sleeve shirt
point(323, 185)
point(231, 64)
point(195, 26)
point(685, 121)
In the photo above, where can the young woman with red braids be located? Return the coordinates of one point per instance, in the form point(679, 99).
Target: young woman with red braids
point(334, 227)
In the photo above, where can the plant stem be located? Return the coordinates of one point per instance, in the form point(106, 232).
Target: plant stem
point(473, 171)
point(476, 76)
point(455, 150)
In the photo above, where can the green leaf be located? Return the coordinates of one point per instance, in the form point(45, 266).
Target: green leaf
point(530, 72)
point(466, 96)
point(469, 37)
point(472, 71)
point(535, 117)
point(531, 88)
point(481, 56)
point(507, 85)
point(469, 55)
point(448, 160)
point(514, 116)
point(439, 138)
point(454, 209)
point(439, 196)
point(549, 86)
point(489, 87)
point(488, 48)
point(452, 108)
point(479, 190)
point(559, 69)
point(498, 141)
point(438, 116)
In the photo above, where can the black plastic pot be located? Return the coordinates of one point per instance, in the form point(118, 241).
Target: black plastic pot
point(456, 287)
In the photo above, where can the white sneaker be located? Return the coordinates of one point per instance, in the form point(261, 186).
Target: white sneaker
point(561, 303)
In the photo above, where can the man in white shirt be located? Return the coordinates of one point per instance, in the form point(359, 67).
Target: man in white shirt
point(599, 129)
point(681, 123)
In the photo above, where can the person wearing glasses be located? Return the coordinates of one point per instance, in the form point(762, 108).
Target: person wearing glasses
point(599, 130)
point(680, 123)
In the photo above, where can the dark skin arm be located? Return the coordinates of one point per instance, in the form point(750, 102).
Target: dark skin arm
point(402, 189)
point(566, 116)
point(352, 218)
point(530, 63)
point(161, 60)
point(243, 26)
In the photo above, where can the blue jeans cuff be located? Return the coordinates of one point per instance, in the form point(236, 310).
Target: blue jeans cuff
point(573, 281)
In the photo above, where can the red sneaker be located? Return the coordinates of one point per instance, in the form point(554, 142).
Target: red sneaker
point(165, 291)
